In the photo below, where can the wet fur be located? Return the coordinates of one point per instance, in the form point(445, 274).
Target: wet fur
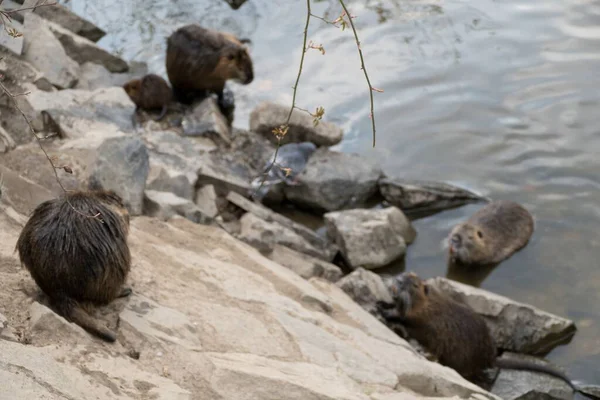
point(201, 60)
point(491, 235)
point(151, 92)
point(77, 259)
point(452, 332)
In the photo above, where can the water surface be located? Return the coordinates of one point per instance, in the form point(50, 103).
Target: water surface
point(498, 96)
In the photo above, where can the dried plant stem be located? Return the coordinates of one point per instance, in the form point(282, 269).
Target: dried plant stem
point(362, 66)
point(5, 15)
point(39, 142)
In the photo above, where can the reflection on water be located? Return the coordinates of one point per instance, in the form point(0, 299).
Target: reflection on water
point(499, 97)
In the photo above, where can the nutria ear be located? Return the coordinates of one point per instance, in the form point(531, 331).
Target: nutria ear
point(245, 40)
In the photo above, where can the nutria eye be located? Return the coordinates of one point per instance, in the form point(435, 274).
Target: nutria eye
point(230, 57)
point(480, 234)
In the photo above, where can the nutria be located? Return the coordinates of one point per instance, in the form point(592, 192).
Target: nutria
point(452, 332)
point(201, 60)
point(491, 235)
point(150, 92)
point(79, 257)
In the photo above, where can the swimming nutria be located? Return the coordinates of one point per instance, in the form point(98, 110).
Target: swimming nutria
point(201, 60)
point(491, 235)
point(75, 258)
point(150, 92)
point(455, 334)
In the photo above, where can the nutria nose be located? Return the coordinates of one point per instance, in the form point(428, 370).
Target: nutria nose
point(456, 240)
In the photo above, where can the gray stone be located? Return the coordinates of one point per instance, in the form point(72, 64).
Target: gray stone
point(226, 172)
point(253, 148)
point(268, 116)
point(290, 162)
point(367, 289)
point(164, 205)
point(515, 326)
point(179, 156)
point(19, 77)
point(160, 180)
point(64, 17)
point(254, 229)
point(205, 119)
point(327, 251)
point(95, 76)
point(424, 196)
point(333, 181)
point(46, 53)
point(83, 50)
point(305, 265)
point(512, 384)
point(89, 117)
point(122, 165)
point(44, 321)
point(14, 44)
point(591, 390)
point(370, 238)
point(206, 200)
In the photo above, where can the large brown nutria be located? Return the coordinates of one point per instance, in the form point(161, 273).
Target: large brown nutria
point(79, 257)
point(151, 92)
point(201, 60)
point(452, 332)
point(491, 235)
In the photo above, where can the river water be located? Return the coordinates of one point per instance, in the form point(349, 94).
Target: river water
point(497, 96)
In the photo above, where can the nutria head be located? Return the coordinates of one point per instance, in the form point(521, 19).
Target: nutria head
point(115, 202)
point(133, 89)
point(237, 64)
point(467, 244)
point(409, 292)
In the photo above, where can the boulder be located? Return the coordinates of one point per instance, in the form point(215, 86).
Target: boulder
point(45, 52)
point(64, 17)
point(95, 76)
point(370, 238)
point(206, 200)
point(253, 148)
point(513, 384)
point(204, 118)
point(19, 77)
point(327, 251)
point(264, 235)
point(366, 288)
point(515, 326)
point(225, 171)
point(332, 181)
point(164, 205)
point(194, 288)
point(268, 116)
point(122, 165)
point(83, 50)
point(305, 265)
point(89, 117)
point(160, 180)
point(424, 196)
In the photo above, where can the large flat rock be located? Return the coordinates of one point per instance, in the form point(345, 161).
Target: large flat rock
point(210, 318)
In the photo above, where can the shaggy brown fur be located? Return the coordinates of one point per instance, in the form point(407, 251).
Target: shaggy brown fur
point(77, 259)
point(491, 235)
point(201, 60)
point(151, 92)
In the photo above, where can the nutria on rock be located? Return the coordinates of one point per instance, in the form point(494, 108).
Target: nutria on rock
point(452, 332)
point(77, 259)
point(491, 235)
point(151, 92)
point(201, 60)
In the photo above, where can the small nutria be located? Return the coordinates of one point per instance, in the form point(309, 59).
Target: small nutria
point(78, 259)
point(491, 235)
point(150, 92)
point(452, 332)
point(201, 60)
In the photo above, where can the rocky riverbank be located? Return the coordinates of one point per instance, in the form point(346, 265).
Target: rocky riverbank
point(231, 299)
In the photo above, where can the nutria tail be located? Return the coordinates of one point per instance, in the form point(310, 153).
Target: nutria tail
point(531, 366)
point(72, 311)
